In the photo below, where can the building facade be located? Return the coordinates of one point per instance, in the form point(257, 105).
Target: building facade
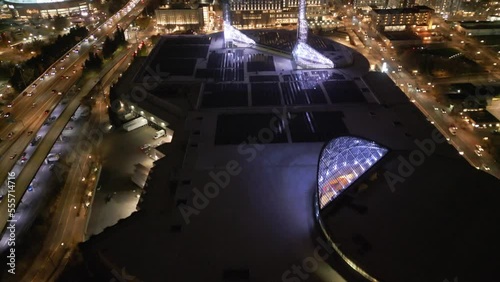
point(182, 18)
point(388, 19)
point(48, 8)
point(261, 13)
point(477, 28)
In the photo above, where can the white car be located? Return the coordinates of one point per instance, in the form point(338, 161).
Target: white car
point(485, 167)
point(478, 153)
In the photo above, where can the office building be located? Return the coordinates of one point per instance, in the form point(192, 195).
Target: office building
point(400, 19)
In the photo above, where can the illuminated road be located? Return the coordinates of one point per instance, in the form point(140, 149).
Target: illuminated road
point(466, 138)
point(23, 112)
point(69, 222)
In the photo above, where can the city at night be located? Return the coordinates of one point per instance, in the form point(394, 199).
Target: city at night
point(249, 140)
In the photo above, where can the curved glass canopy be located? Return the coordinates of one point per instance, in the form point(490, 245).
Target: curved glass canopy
point(342, 161)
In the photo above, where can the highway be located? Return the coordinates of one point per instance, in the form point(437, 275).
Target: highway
point(31, 119)
point(67, 228)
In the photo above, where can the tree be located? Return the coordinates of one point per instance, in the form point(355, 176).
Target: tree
point(108, 48)
point(60, 23)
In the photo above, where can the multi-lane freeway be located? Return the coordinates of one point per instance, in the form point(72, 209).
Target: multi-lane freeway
point(28, 113)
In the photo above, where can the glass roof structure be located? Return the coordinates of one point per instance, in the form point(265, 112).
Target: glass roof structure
point(305, 56)
point(342, 161)
point(232, 34)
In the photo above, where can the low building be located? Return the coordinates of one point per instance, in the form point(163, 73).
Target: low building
point(482, 120)
point(261, 13)
point(241, 177)
point(477, 28)
point(400, 19)
point(182, 18)
point(48, 8)
point(370, 3)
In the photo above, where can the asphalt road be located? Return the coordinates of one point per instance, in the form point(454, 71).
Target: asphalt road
point(20, 143)
point(23, 114)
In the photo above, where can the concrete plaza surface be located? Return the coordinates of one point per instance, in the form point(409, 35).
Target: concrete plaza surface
point(120, 151)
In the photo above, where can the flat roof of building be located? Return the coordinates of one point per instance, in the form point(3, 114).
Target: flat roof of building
point(437, 225)
point(482, 117)
point(267, 129)
point(400, 35)
point(414, 9)
point(480, 24)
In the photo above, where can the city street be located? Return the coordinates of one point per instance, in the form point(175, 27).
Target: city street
point(466, 139)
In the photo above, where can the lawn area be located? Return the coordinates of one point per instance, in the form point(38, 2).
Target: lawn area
point(439, 62)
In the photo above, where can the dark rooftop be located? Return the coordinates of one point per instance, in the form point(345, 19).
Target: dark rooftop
point(482, 117)
point(480, 24)
point(414, 9)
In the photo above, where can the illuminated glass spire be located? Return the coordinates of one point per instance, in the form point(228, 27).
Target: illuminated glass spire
point(302, 23)
point(304, 55)
point(231, 34)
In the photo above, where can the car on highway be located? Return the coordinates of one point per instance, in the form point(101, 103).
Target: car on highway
point(10, 134)
point(30, 94)
point(30, 132)
point(33, 85)
point(52, 118)
point(51, 167)
point(479, 148)
point(9, 105)
point(6, 115)
point(13, 156)
point(47, 112)
point(145, 146)
point(485, 167)
point(443, 111)
point(478, 153)
point(36, 140)
point(30, 188)
point(453, 129)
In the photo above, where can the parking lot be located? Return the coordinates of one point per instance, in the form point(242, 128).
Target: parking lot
point(117, 195)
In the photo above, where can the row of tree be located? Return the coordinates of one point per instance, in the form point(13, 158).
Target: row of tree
point(94, 62)
point(25, 73)
point(111, 44)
